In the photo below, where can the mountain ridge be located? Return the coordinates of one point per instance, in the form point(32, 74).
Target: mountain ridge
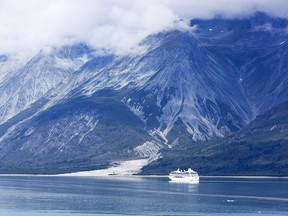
point(182, 88)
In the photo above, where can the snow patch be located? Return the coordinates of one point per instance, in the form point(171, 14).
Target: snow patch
point(65, 64)
point(158, 135)
point(267, 27)
point(136, 108)
point(29, 131)
point(272, 128)
point(85, 58)
point(148, 149)
point(120, 168)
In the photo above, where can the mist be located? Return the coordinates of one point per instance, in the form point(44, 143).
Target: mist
point(116, 25)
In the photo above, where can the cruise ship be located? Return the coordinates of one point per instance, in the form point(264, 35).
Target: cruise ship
point(189, 176)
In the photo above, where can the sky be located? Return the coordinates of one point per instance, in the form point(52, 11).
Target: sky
point(27, 26)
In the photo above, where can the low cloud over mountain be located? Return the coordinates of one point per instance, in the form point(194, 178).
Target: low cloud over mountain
point(28, 26)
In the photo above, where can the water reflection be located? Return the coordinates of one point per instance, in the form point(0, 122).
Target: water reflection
point(140, 196)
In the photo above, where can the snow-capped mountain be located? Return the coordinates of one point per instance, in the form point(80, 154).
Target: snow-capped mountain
point(74, 108)
point(27, 84)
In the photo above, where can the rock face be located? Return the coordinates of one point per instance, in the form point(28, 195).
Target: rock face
point(69, 109)
point(260, 148)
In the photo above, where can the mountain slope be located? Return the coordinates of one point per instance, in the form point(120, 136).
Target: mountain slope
point(40, 75)
point(257, 47)
point(86, 133)
point(190, 85)
point(260, 148)
point(73, 108)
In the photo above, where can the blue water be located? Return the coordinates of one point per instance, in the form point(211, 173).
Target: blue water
point(56, 196)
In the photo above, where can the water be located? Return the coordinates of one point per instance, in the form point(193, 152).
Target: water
point(57, 196)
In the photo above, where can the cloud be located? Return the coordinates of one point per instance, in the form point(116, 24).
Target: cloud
point(266, 27)
point(119, 25)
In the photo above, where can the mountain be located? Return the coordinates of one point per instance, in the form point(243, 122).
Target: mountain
point(41, 74)
point(257, 149)
point(73, 108)
point(257, 47)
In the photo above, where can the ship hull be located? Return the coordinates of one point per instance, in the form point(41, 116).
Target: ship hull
point(189, 176)
point(184, 180)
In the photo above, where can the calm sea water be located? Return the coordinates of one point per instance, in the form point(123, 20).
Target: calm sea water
point(56, 196)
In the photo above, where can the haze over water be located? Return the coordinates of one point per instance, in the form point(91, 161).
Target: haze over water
point(36, 195)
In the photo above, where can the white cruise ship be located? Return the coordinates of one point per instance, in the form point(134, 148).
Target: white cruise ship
point(189, 176)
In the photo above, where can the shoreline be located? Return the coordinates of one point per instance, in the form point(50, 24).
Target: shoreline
point(248, 177)
point(143, 176)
